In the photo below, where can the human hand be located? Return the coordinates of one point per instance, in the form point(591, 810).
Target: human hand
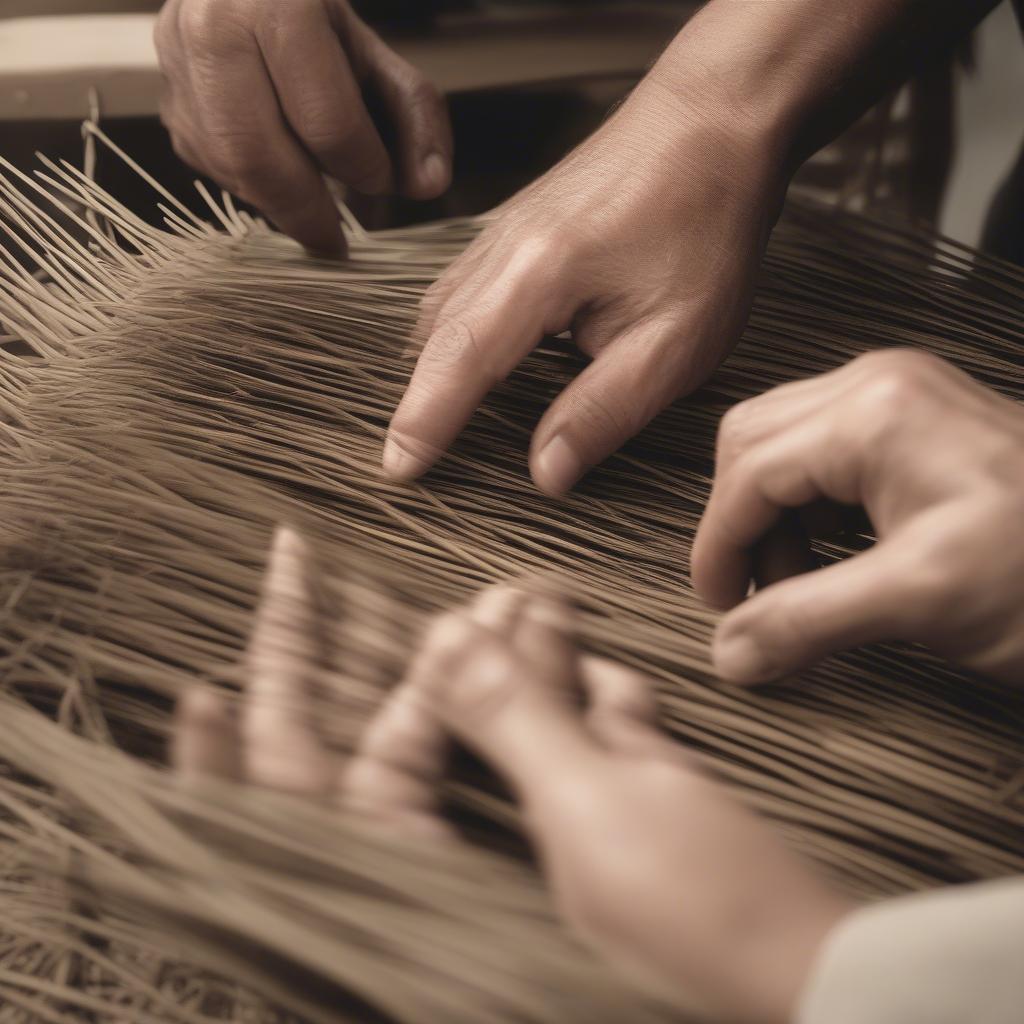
point(937, 462)
point(644, 242)
point(265, 97)
point(274, 740)
point(649, 861)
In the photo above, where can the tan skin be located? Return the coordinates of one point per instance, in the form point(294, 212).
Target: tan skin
point(937, 462)
point(619, 815)
point(749, 918)
point(267, 97)
point(644, 242)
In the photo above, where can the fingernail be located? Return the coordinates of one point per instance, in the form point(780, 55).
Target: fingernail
point(556, 467)
point(434, 173)
point(288, 540)
point(204, 707)
point(739, 659)
point(401, 465)
point(334, 247)
point(289, 565)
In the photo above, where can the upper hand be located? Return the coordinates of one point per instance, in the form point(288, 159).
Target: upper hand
point(266, 96)
point(643, 242)
point(937, 462)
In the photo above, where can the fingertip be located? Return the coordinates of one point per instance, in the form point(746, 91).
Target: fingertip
point(289, 559)
point(315, 224)
point(202, 706)
point(433, 176)
point(556, 467)
point(738, 658)
point(204, 741)
point(498, 607)
point(721, 578)
point(548, 609)
point(400, 464)
point(288, 540)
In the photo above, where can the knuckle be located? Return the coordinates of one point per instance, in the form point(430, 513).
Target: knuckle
point(197, 19)
point(181, 148)
point(325, 131)
point(239, 165)
point(484, 683)
point(278, 20)
point(434, 292)
point(421, 92)
point(212, 27)
point(901, 360)
point(434, 298)
point(456, 345)
point(898, 378)
point(600, 415)
point(732, 432)
point(539, 251)
point(163, 32)
point(449, 634)
point(898, 383)
point(168, 113)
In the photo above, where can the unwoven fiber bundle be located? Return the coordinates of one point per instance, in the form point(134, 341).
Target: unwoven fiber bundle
point(169, 395)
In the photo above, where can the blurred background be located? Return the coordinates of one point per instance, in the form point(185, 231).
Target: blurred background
point(527, 80)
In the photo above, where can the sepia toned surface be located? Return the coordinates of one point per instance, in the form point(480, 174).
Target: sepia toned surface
point(191, 388)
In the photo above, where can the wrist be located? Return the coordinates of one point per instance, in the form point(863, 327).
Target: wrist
point(783, 970)
point(727, 162)
point(737, 77)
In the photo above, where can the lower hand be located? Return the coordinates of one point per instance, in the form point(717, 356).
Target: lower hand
point(937, 462)
point(650, 862)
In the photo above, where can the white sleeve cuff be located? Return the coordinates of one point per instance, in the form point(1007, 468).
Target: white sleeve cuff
point(953, 956)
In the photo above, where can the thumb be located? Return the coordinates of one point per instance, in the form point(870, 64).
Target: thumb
point(792, 624)
point(494, 702)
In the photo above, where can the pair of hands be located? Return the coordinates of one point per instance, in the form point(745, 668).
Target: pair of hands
point(644, 242)
point(650, 862)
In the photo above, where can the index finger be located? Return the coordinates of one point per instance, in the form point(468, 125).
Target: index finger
point(466, 355)
point(748, 499)
point(250, 150)
point(321, 99)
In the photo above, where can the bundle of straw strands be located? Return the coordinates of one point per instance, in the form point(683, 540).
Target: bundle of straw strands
point(169, 395)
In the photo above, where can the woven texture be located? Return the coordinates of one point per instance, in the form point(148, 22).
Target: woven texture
point(187, 389)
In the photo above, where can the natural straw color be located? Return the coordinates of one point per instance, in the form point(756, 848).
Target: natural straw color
point(190, 388)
